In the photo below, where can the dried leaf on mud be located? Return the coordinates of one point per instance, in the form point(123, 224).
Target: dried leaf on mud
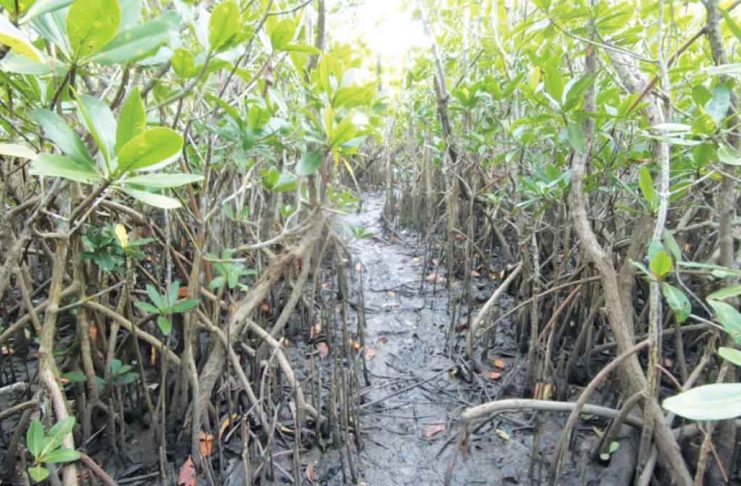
point(187, 475)
point(433, 430)
point(370, 353)
point(493, 375)
point(310, 473)
point(499, 363)
point(323, 349)
point(206, 444)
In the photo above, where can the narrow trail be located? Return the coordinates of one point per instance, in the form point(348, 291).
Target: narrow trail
point(407, 412)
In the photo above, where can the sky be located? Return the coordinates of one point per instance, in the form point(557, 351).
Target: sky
point(386, 28)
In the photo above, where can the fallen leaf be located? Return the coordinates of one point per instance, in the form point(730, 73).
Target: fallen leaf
point(499, 363)
point(462, 326)
point(325, 285)
point(459, 237)
point(432, 430)
point(436, 261)
point(359, 267)
point(493, 375)
point(323, 349)
point(206, 444)
point(503, 435)
point(315, 330)
point(391, 294)
point(434, 277)
point(183, 292)
point(7, 351)
point(370, 353)
point(310, 473)
point(475, 274)
point(355, 345)
point(187, 476)
point(265, 308)
point(382, 340)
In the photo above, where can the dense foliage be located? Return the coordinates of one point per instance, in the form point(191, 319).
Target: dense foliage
point(170, 170)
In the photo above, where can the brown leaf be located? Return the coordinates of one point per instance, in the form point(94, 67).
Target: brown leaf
point(475, 274)
point(499, 363)
point(6, 350)
point(92, 332)
point(433, 277)
point(493, 375)
point(323, 349)
point(432, 430)
point(370, 353)
point(359, 267)
point(187, 476)
point(182, 292)
point(205, 444)
point(310, 473)
point(382, 340)
point(315, 330)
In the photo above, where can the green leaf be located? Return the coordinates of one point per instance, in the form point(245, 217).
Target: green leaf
point(136, 43)
point(128, 378)
point(732, 25)
point(164, 324)
point(156, 200)
point(91, 24)
point(309, 163)
point(224, 24)
point(576, 137)
point(304, 48)
point(661, 264)
point(718, 105)
point(725, 293)
point(155, 146)
point(13, 37)
point(343, 132)
point(678, 302)
point(163, 181)
point(146, 307)
point(729, 318)
point(729, 155)
point(132, 120)
point(38, 473)
point(717, 271)
point(57, 433)
point(183, 63)
point(730, 354)
point(75, 377)
point(155, 297)
point(184, 305)
point(646, 184)
point(35, 438)
point(718, 401)
point(62, 455)
point(57, 130)
point(282, 34)
point(41, 7)
point(99, 121)
point(286, 182)
point(217, 283)
point(49, 165)
point(553, 82)
point(672, 245)
point(15, 150)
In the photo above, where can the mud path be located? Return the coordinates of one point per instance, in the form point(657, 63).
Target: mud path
point(408, 410)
